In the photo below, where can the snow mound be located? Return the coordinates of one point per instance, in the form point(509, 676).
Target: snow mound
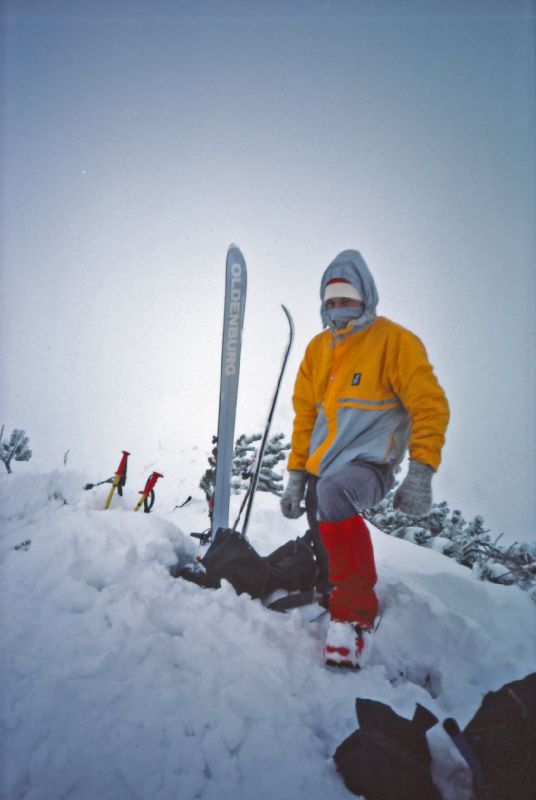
point(120, 682)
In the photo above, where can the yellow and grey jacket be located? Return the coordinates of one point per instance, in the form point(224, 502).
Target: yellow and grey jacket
point(366, 392)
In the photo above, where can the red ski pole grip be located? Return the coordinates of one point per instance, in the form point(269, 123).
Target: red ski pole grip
point(151, 482)
point(122, 463)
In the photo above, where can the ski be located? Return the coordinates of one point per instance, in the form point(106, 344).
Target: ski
point(260, 455)
point(233, 321)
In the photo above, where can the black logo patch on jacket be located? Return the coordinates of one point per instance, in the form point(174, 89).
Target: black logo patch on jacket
point(356, 380)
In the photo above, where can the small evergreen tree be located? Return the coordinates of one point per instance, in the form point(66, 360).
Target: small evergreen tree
point(16, 448)
point(243, 465)
point(276, 450)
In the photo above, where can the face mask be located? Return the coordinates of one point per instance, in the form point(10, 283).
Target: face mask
point(341, 317)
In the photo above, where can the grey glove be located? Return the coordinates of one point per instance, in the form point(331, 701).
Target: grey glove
point(293, 494)
point(414, 495)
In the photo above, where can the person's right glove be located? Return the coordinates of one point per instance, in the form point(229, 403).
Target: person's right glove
point(293, 494)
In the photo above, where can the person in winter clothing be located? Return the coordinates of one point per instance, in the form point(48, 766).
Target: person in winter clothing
point(364, 393)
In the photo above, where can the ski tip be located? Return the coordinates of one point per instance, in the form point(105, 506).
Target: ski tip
point(289, 317)
point(235, 254)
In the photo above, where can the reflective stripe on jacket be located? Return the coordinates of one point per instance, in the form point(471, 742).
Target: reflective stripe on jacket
point(366, 394)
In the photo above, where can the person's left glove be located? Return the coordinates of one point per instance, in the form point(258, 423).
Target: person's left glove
point(293, 494)
point(414, 495)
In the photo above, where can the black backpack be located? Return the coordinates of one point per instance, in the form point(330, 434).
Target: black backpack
point(388, 757)
point(499, 743)
point(292, 567)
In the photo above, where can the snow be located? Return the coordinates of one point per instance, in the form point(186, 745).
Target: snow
point(120, 682)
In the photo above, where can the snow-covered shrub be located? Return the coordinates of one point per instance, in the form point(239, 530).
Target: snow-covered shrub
point(244, 463)
point(16, 448)
point(468, 543)
point(246, 447)
point(419, 535)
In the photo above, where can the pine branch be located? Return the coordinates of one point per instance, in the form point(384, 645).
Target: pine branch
point(467, 542)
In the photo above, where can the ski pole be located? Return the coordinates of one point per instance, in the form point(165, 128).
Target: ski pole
point(120, 474)
point(100, 483)
point(148, 489)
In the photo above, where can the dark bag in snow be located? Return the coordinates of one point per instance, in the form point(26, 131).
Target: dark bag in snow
point(293, 566)
point(388, 757)
point(500, 743)
point(230, 557)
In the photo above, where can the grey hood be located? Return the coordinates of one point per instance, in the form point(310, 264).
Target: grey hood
point(351, 265)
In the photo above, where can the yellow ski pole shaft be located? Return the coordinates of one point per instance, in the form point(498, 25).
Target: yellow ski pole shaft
point(148, 489)
point(117, 478)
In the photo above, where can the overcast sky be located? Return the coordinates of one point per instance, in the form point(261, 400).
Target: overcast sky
point(139, 139)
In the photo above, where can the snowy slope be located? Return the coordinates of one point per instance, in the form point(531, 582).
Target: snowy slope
point(121, 683)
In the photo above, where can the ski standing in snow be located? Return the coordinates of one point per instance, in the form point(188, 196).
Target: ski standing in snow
point(233, 322)
point(364, 393)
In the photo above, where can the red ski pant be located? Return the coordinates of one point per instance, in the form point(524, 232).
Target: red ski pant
point(351, 570)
